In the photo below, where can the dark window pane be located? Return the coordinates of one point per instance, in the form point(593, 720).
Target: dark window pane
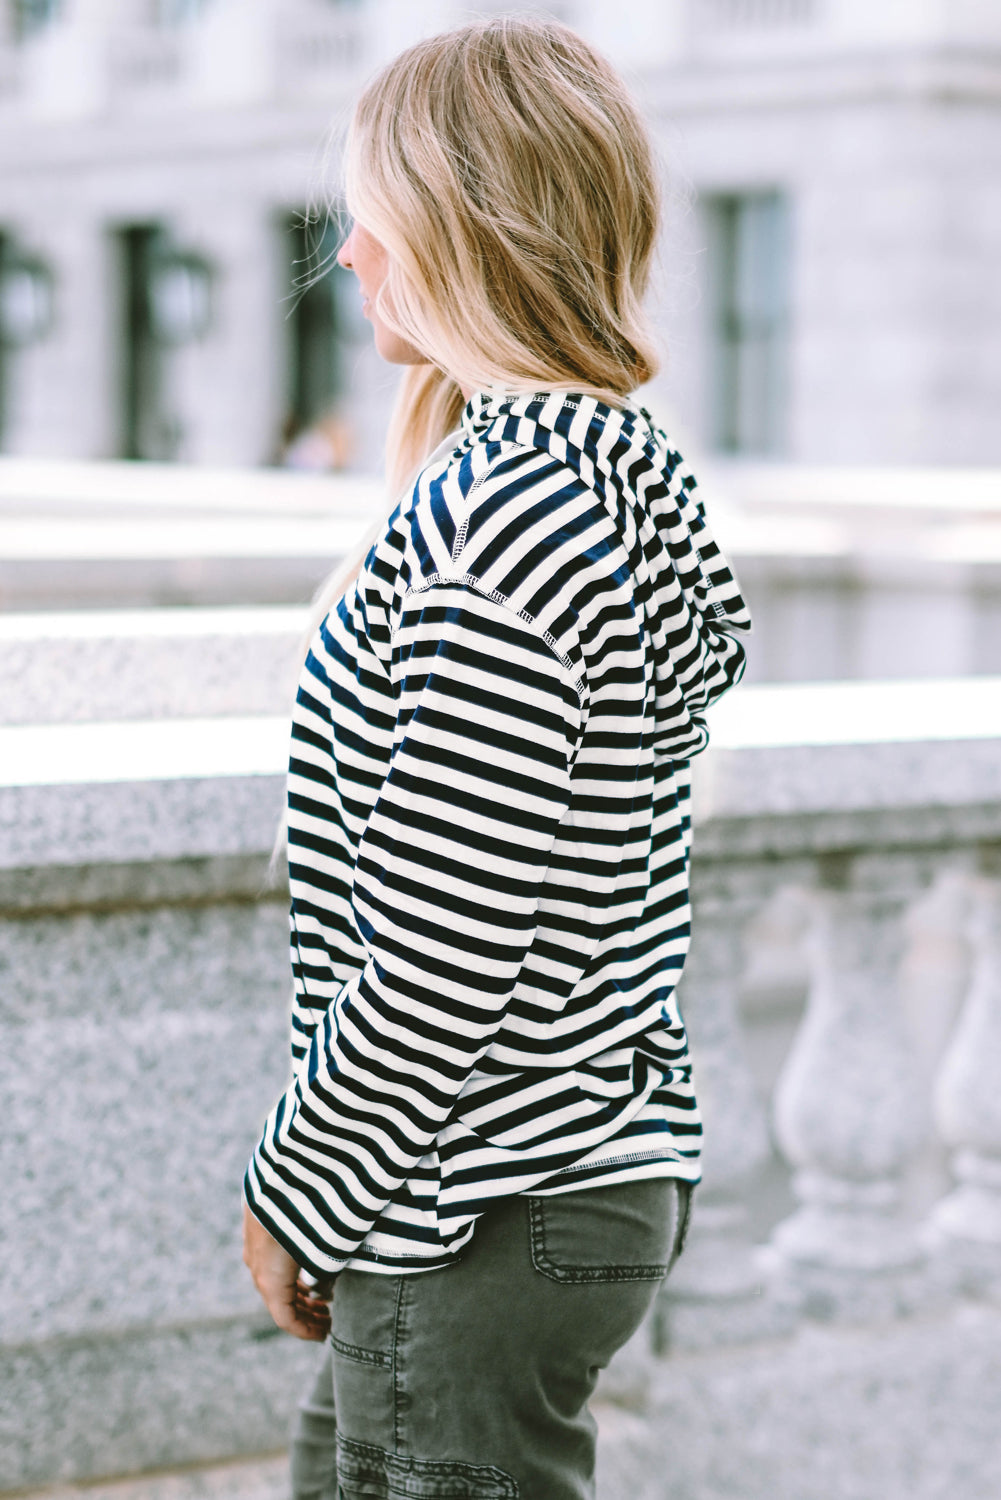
point(749, 293)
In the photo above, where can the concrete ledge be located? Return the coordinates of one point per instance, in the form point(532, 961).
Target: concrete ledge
point(143, 1018)
point(836, 1414)
point(850, 765)
point(89, 488)
point(118, 793)
point(137, 1401)
point(117, 824)
point(93, 535)
point(224, 878)
point(140, 1047)
point(167, 580)
point(148, 664)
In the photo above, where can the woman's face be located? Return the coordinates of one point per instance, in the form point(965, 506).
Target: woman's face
point(368, 258)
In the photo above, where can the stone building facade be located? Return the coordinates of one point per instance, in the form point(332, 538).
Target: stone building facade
point(829, 290)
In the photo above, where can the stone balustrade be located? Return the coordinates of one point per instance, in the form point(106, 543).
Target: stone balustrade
point(850, 573)
point(115, 536)
point(142, 985)
point(863, 573)
point(91, 666)
point(862, 829)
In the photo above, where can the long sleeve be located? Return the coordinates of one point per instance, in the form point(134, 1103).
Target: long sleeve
point(445, 896)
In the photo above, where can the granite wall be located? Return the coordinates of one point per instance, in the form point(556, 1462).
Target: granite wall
point(143, 983)
point(143, 996)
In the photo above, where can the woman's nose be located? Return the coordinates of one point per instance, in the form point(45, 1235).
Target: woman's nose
point(344, 253)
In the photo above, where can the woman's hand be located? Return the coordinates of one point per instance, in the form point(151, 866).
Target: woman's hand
point(295, 1307)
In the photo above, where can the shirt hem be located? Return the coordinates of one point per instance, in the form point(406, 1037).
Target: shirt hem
point(573, 1179)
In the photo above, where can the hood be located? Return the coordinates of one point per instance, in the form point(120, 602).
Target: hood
point(691, 604)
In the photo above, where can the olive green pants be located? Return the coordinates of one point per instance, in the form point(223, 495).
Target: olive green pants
point(473, 1381)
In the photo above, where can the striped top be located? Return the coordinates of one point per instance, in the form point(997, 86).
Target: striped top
point(489, 836)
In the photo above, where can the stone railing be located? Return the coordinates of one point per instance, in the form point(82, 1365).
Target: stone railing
point(850, 573)
point(848, 1348)
point(142, 985)
point(722, 17)
point(95, 666)
point(320, 47)
point(863, 572)
point(116, 535)
point(895, 809)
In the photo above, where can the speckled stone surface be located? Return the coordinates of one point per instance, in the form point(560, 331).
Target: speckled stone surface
point(143, 1037)
point(785, 780)
point(901, 1412)
point(148, 1399)
point(118, 822)
point(139, 1053)
point(47, 678)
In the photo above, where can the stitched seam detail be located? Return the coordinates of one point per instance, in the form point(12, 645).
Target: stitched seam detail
point(460, 536)
point(629, 1156)
point(367, 1462)
point(469, 580)
point(363, 1356)
point(579, 1274)
point(398, 1322)
point(582, 1275)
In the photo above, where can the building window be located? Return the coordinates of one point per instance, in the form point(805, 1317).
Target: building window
point(32, 16)
point(177, 12)
point(5, 360)
point(145, 430)
point(26, 312)
point(749, 268)
point(751, 15)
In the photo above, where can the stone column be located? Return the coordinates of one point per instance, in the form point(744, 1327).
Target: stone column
point(717, 1292)
point(964, 1231)
point(848, 1106)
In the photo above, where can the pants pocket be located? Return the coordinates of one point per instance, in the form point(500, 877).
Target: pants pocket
point(362, 1342)
point(605, 1234)
point(365, 1472)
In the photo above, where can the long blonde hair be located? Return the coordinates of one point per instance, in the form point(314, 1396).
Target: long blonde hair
point(506, 170)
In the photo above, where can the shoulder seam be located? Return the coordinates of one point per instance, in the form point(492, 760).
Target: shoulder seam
point(470, 581)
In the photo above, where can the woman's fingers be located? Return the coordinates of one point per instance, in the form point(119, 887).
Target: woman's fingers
point(293, 1305)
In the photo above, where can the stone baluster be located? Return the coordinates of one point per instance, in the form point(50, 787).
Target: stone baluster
point(849, 1111)
point(716, 1293)
point(964, 1230)
point(935, 981)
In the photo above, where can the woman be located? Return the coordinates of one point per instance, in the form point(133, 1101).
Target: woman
point(491, 1121)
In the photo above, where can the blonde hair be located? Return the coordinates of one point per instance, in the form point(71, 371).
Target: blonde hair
point(505, 168)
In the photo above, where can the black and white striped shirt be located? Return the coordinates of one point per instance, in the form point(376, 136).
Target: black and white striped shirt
point(489, 837)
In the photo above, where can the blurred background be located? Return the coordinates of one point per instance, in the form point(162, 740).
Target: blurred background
point(834, 287)
point(191, 429)
point(828, 292)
